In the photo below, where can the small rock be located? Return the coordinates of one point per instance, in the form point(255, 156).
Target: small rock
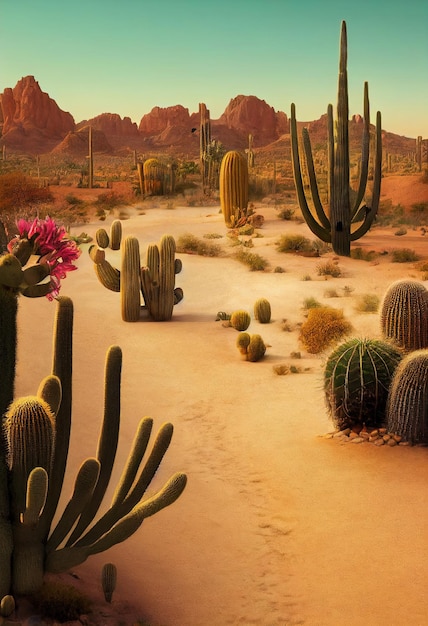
point(374, 433)
point(386, 437)
point(328, 436)
point(382, 431)
point(364, 434)
point(397, 438)
point(404, 443)
point(391, 442)
point(379, 442)
point(373, 438)
point(357, 440)
point(353, 434)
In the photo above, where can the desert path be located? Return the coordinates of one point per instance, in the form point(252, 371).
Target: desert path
point(277, 526)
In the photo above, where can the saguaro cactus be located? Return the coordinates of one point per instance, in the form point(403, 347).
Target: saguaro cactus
point(204, 144)
point(234, 188)
point(335, 225)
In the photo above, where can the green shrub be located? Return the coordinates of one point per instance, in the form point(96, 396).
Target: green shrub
point(404, 255)
point(286, 214)
point(293, 243)
point(311, 303)
point(323, 327)
point(254, 261)
point(190, 244)
point(363, 255)
point(331, 293)
point(367, 303)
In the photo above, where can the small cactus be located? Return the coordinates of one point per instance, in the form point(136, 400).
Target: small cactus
point(240, 320)
point(252, 347)
point(407, 405)
point(102, 238)
point(262, 311)
point(404, 315)
point(357, 377)
point(7, 606)
point(108, 580)
point(115, 234)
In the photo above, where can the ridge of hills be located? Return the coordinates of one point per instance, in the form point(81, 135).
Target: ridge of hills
point(32, 123)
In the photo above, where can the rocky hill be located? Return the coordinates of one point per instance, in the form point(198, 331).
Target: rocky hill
point(31, 122)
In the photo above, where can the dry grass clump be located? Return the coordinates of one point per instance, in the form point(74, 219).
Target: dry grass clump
point(254, 261)
point(60, 602)
point(360, 254)
point(324, 326)
point(311, 303)
point(329, 268)
point(404, 255)
point(367, 303)
point(190, 244)
point(294, 243)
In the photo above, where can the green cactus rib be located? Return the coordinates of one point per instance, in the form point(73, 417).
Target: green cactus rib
point(404, 314)
point(335, 225)
point(407, 406)
point(65, 558)
point(107, 444)
point(233, 187)
point(130, 280)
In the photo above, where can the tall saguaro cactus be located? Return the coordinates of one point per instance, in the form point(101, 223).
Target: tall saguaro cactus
point(335, 225)
point(204, 144)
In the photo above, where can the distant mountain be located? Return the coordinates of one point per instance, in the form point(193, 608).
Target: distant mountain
point(31, 122)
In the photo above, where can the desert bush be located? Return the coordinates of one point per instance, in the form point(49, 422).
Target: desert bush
point(329, 268)
point(321, 246)
point(311, 303)
point(323, 327)
point(254, 261)
point(213, 236)
point(279, 270)
point(367, 303)
point(306, 277)
point(347, 290)
point(286, 214)
point(360, 254)
point(404, 255)
point(190, 244)
point(400, 231)
point(331, 293)
point(61, 602)
point(293, 243)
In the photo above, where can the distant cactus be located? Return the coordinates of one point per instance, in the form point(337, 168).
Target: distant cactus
point(252, 347)
point(240, 320)
point(234, 188)
point(357, 377)
point(404, 314)
point(155, 280)
point(154, 177)
point(108, 580)
point(336, 224)
point(407, 406)
point(262, 311)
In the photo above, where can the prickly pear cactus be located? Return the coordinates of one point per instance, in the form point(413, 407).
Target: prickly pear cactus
point(357, 377)
point(404, 314)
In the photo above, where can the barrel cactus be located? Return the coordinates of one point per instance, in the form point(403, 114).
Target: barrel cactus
point(234, 188)
point(108, 580)
point(357, 377)
point(154, 177)
point(407, 406)
point(240, 320)
point(262, 311)
point(252, 347)
point(404, 314)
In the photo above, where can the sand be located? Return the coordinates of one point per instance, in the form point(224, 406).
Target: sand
point(278, 526)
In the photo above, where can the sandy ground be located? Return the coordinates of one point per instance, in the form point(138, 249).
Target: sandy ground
point(277, 526)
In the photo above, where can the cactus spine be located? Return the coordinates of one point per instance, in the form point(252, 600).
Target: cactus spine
point(357, 377)
point(404, 314)
point(234, 188)
point(335, 225)
point(407, 406)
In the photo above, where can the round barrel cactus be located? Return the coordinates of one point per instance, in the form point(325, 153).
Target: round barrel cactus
point(404, 314)
point(357, 377)
point(252, 347)
point(240, 320)
point(407, 406)
point(262, 311)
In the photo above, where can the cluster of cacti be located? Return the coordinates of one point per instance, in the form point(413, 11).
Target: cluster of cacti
point(104, 240)
point(240, 320)
point(32, 467)
point(404, 314)
point(335, 224)
point(155, 281)
point(252, 347)
point(357, 377)
point(234, 188)
point(262, 311)
point(108, 580)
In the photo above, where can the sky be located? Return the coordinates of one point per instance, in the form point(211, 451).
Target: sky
point(128, 56)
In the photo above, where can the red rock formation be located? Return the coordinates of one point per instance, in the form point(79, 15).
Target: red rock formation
point(159, 119)
point(112, 124)
point(26, 106)
point(249, 114)
point(77, 143)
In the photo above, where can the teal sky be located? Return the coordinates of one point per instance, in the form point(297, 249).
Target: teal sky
point(127, 56)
